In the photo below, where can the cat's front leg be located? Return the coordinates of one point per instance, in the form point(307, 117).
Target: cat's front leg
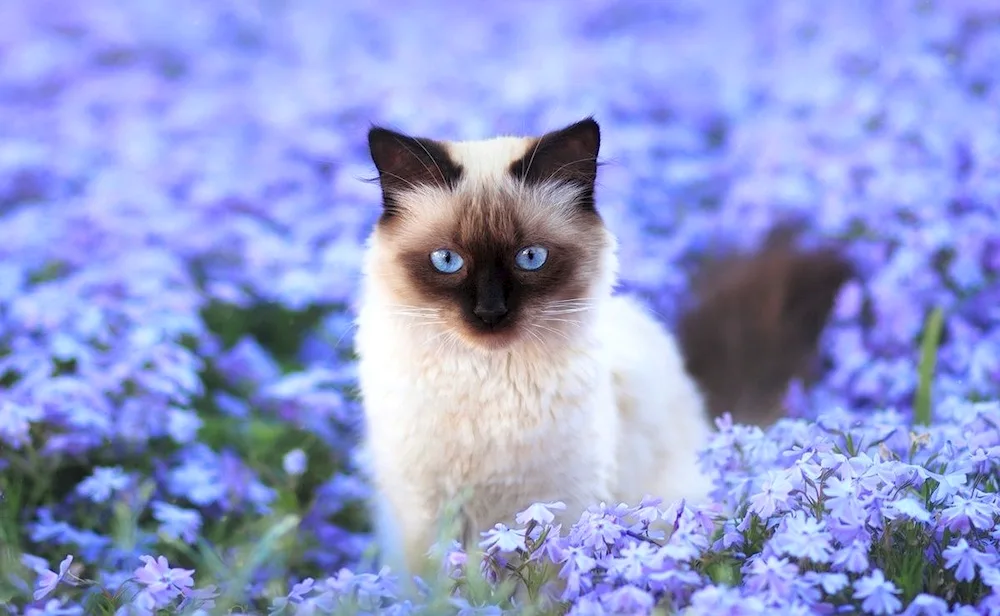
point(406, 527)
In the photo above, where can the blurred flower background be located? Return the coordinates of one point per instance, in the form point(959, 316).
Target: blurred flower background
point(182, 210)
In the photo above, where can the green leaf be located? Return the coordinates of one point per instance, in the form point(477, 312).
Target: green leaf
point(928, 363)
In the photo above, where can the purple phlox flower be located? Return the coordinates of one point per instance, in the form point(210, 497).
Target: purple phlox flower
point(321, 603)
point(197, 477)
point(15, 422)
point(455, 559)
point(802, 536)
point(577, 558)
point(294, 462)
point(503, 539)
point(295, 596)
point(33, 562)
point(836, 462)
point(844, 502)
point(907, 507)
point(202, 598)
point(832, 583)
point(948, 485)
point(684, 545)
point(990, 575)
point(772, 577)
point(467, 609)
point(773, 495)
point(48, 580)
point(628, 600)
point(161, 581)
point(648, 510)
point(143, 603)
point(984, 460)
point(990, 605)
point(965, 559)
point(926, 605)
point(183, 425)
point(176, 522)
point(983, 609)
point(853, 557)
point(632, 562)
point(589, 605)
point(805, 470)
point(726, 601)
point(54, 607)
point(965, 513)
point(674, 580)
point(878, 595)
point(248, 363)
point(731, 537)
point(539, 513)
point(103, 483)
point(368, 588)
point(88, 543)
point(872, 472)
point(596, 531)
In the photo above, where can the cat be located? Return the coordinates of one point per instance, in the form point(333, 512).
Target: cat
point(495, 359)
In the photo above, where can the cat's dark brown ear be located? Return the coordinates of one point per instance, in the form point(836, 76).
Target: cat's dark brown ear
point(405, 163)
point(568, 154)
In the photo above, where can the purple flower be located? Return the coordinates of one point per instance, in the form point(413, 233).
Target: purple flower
point(503, 539)
point(596, 531)
point(926, 605)
point(176, 522)
point(162, 582)
point(15, 422)
point(773, 495)
point(802, 536)
point(539, 513)
point(202, 598)
point(55, 607)
point(965, 559)
point(877, 594)
point(948, 485)
point(628, 600)
point(48, 580)
point(103, 483)
point(964, 514)
point(294, 462)
point(772, 577)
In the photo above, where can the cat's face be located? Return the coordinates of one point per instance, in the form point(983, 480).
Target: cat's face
point(492, 242)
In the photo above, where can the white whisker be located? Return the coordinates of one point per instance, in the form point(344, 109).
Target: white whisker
point(553, 330)
point(572, 321)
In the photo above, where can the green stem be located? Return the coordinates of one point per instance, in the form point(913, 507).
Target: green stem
point(928, 363)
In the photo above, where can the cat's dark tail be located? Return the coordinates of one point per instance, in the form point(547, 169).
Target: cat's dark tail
point(755, 324)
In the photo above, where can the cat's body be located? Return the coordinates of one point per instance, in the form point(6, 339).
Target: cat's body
point(487, 375)
point(581, 424)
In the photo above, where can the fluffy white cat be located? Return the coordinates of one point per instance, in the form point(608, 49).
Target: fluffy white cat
point(498, 366)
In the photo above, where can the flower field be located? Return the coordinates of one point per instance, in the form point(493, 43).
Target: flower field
point(183, 207)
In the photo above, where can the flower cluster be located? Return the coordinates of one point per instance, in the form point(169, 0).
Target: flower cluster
point(182, 217)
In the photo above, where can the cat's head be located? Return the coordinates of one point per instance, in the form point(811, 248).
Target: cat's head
point(494, 242)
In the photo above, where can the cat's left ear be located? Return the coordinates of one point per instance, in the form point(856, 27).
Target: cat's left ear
point(406, 163)
point(568, 154)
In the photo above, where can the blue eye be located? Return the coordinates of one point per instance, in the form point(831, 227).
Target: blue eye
point(531, 258)
point(446, 261)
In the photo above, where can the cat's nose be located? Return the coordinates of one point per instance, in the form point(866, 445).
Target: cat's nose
point(491, 314)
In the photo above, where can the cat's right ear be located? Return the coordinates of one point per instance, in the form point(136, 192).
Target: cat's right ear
point(405, 163)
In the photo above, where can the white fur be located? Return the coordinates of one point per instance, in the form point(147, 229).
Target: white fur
point(609, 415)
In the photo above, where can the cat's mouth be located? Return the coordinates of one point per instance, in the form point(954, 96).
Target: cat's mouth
point(492, 333)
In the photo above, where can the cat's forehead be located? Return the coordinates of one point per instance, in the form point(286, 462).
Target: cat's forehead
point(500, 214)
point(487, 160)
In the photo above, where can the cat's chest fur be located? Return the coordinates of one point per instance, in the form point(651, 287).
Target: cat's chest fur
point(509, 428)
